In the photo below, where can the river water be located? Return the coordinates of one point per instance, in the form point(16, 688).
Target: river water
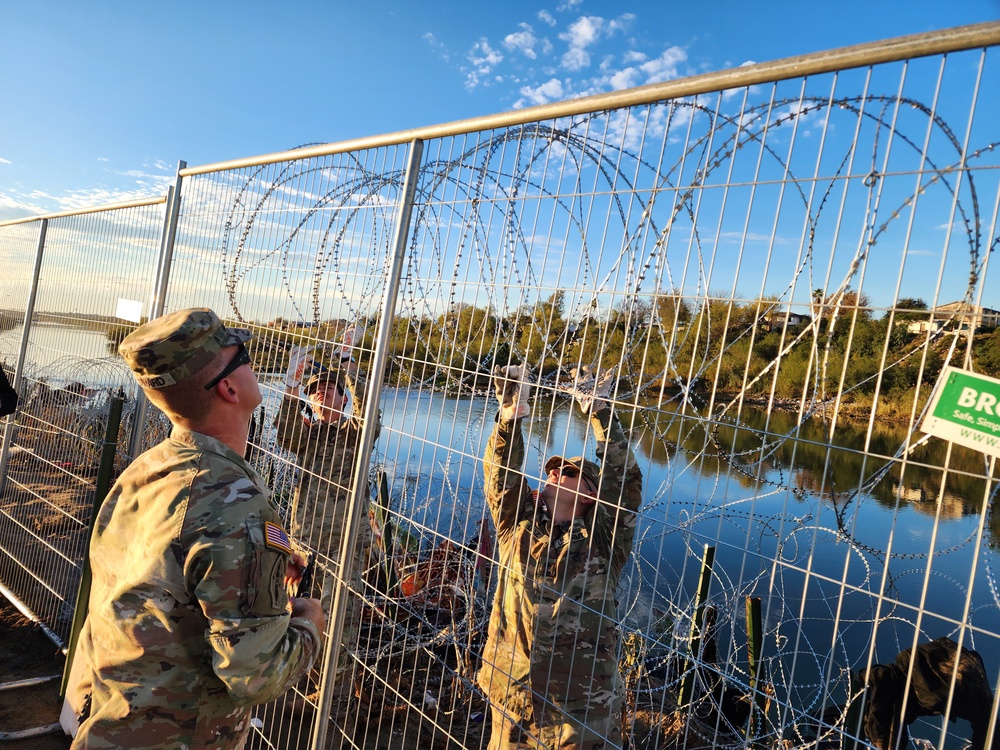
point(55, 351)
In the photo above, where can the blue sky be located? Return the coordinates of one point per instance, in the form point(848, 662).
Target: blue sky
point(100, 100)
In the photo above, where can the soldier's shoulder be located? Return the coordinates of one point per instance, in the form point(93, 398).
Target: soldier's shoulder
point(222, 489)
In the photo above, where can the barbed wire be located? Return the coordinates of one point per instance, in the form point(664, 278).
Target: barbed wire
point(492, 179)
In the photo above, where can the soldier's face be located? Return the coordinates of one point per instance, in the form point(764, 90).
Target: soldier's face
point(567, 493)
point(239, 374)
point(246, 378)
point(327, 402)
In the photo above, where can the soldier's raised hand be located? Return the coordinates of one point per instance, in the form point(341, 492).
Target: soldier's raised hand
point(352, 339)
point(299, 359)
point(592, 389)
point(511, 386)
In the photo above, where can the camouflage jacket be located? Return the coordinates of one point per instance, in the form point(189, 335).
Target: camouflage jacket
point(189, 623)
point(326, 454)
point(552, 633)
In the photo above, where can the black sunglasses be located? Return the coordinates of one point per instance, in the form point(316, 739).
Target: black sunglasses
point(571, 472)
point(242, 358)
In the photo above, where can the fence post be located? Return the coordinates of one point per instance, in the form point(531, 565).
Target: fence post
point(156, 302)
point(357, 513)
point(754, 645)
point(853, 729)
point(105, 474)
point(697, 629)
point(29, 312)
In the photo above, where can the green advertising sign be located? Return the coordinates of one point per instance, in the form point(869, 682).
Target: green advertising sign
point(965, 409)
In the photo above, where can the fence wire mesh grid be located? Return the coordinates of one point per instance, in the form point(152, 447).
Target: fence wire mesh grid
point(768, 281)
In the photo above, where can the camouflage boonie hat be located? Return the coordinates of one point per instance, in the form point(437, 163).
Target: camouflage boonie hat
point(175, 346)
point(588, 469)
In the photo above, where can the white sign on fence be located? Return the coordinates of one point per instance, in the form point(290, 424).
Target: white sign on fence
point(129, 309)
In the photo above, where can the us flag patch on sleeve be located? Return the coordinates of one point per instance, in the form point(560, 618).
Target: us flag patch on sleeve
point(276, 538)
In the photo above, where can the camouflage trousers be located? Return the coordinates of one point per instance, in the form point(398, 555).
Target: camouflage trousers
point(542, 726)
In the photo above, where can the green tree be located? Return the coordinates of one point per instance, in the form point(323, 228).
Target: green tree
point(910, 308)
point(671, 310)
point(986, 353)
point(542, 332)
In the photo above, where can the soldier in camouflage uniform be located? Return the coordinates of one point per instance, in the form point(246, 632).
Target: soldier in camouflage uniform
point(550, 666)
point(190, 623)
point(326, 444)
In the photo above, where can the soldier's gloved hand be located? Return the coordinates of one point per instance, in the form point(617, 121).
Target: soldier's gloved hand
point(352, 338)
point(311, 609)
point(511, 386)
point(299, 359)
point(592, 389)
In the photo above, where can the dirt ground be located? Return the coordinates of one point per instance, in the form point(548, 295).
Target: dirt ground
point(26, 652)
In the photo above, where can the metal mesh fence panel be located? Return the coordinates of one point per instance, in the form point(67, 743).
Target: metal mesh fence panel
point(69, 373)
point(299, 253)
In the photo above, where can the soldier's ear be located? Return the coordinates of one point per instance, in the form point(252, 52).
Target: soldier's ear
point(226, 392)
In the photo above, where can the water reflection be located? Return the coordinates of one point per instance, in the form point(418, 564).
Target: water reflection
point(772, 448)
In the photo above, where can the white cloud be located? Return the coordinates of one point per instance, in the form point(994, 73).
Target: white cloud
point(523, 41)
point(483, 55)
point(568, 5)
point(665, 67)
point(14, 208)
point(584, 31)
point(592, 55)
point(549, 91)
point(623, 79)
point(575, 59)
point(4, 161)
point(437, 45)
point(483, 58)
point(17, 206)
point(621, 23)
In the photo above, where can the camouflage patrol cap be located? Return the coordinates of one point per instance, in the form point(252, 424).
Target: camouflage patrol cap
point(590, 470)
point(175, 346)
point(327, 376)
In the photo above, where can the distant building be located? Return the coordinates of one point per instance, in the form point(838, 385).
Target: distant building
point(925, 326)
point(964, 316)
point(777, 320)
point(956, 316)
